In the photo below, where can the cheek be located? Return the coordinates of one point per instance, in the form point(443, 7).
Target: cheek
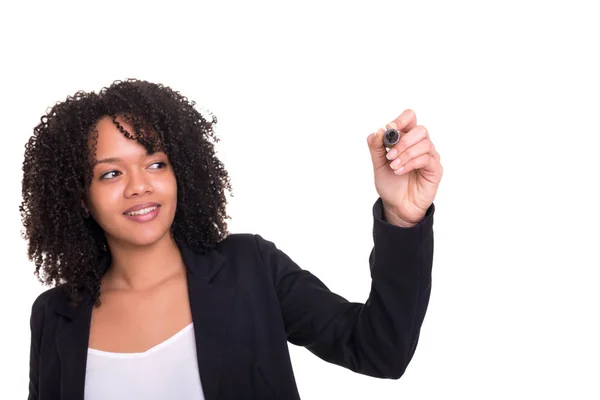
point(167, 192)
point(105, 200)
point(167, 187)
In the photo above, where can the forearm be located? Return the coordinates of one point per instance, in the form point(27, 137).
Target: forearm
point(377, 338)
point(388, 326)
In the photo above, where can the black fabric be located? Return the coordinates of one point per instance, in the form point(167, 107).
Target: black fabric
point(248, 300)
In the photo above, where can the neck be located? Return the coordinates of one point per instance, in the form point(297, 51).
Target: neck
point(139, 268)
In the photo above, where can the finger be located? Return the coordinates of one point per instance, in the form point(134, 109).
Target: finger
point(434, 152)
point(425, 161)
point(377, 149)
point(421, 148)
point(376, 140)
point(405, 121)
point(407, 140)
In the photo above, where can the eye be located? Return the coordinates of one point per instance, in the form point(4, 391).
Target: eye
point(110, 175)
point(158, 165)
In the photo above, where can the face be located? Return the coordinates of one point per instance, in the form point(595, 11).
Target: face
point(133, 195)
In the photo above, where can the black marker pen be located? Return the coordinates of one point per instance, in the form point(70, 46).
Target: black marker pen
point(390, 137)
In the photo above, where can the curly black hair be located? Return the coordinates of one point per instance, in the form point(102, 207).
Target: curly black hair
point(63, 243)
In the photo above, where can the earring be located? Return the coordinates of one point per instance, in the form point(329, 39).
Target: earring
point(86, 213)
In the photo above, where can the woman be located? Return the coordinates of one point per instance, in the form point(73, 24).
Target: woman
point(124, 213)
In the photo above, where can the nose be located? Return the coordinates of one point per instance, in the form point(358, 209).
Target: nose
point(138, 184)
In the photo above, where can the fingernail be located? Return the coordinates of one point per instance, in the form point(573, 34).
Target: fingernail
point(399, 170)
point(391, 154)
point(396, 163)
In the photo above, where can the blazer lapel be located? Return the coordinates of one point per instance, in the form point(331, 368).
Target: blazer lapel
point(72, 340)
point(211, 301)
point(72, 344)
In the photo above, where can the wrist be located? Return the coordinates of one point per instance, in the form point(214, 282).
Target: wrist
point(393, 218)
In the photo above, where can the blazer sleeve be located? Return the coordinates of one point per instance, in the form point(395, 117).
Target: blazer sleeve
point(377, 338)
point(36, 324)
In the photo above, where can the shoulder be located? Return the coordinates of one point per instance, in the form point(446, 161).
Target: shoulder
point(46, 301)
point(247, 250)
point(236, 240)
point(252, 249)
point(246, 243)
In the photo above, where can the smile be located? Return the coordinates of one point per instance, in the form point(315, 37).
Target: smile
point(143, 211)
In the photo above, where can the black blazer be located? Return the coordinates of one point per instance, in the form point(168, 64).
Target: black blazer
point(248, 299)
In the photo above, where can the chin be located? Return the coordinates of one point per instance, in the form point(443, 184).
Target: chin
point(144, 234)
point(139, 236)
point(147, 238)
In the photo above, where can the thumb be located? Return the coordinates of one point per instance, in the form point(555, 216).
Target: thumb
point(377, 149)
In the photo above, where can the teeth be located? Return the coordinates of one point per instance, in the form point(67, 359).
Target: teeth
point(143, 211)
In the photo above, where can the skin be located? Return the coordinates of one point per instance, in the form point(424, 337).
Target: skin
point(407, 177)
point(144, 292)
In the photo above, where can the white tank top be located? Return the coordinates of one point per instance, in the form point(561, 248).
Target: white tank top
point(168, 370)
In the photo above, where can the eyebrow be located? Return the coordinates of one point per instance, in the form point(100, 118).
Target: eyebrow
point(111, 160)
point(108, 160)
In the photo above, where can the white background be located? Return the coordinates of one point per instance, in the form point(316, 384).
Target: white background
point(508, 90)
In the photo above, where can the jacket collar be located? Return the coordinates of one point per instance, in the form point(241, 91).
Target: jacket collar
point(211, 298)
point(202, 265)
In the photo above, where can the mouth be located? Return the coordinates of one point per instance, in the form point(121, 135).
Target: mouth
point(143, 212)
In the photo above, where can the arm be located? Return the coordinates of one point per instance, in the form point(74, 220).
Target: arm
point(36, 324)
point(377, 338)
